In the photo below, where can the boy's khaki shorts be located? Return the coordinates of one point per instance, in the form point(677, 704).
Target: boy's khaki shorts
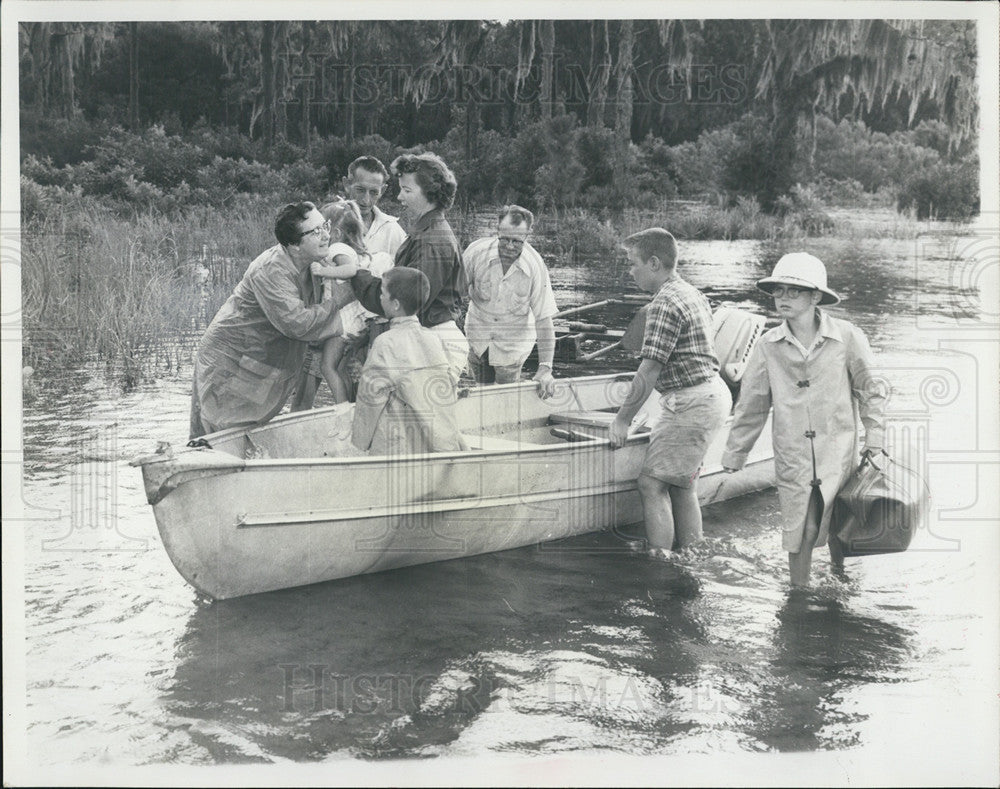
point(689, 420)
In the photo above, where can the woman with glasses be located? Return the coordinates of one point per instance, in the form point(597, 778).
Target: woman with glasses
point(248, 360)
point(816, 372)
point(427, 190)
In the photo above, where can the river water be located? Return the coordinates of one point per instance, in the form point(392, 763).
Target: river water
point(577, 652)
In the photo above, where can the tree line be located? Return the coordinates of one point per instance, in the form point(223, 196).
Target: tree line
point(414, 81)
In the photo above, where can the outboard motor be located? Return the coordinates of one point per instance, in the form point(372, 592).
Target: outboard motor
point(736, 334)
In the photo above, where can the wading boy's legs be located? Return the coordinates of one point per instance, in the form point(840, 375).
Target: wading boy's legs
point(800, 563)
point(669, 511)
point(836, 557)
point(687, 515)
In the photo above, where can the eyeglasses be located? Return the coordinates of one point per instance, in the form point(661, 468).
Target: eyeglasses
point(789, 291)
point(319, 228)
point(514, 242)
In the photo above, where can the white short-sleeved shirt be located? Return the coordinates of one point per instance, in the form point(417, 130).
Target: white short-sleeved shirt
point(385, 234)
point(504, 308)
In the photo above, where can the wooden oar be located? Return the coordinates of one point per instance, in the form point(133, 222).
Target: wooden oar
point(585, 307)
point(631, 340)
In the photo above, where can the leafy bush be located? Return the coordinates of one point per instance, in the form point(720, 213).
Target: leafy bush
point(154, 156)
point(802, 208)
point(335, 154)
point(43, 172)
point(528, 153)
point(224, 178)
point(39, 201)
point(844, 192)
point(302, 179)
point(479, 176)
point(652, 169)
point(579, 234)
point(59, 140)
point(225, 142)
point(559, 181)
point(595, 150)
point(848, 151)
point(700, 166)
point(945, 191)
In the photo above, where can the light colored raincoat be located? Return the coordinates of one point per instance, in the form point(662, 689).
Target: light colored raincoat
point(824, 394)
point(253, 350)
point(406, 394)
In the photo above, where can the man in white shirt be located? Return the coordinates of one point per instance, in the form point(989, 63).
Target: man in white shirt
point(510, 304)
point(366, 182)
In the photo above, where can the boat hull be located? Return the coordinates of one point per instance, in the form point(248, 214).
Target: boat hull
point(236, 526)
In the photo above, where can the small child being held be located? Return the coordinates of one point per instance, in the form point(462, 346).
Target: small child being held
point(346, 255)
point(816, 372)
point(406, 394)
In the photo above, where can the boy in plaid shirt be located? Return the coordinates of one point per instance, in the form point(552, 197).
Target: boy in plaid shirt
point(679, 361)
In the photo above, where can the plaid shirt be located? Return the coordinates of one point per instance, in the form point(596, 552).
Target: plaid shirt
point(679, 335)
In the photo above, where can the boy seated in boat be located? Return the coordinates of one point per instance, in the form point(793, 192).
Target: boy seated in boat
point(406, 394)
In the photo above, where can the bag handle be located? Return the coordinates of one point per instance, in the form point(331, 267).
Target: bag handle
point(867, 459)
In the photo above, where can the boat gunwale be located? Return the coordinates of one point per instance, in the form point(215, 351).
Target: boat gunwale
point(596, 442)
point(331, 410)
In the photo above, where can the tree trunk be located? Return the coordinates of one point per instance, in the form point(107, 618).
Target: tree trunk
point(472, 121)
point(306, 115)
point(778, 180)
point(133, 76)
point(623, 104)
point(600, 75)
point(349, 118)
point(280, 80)
point(547, 93)
point(62, 57)
point(267, 77)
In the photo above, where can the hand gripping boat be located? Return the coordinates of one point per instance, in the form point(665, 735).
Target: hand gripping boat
point(292, 502)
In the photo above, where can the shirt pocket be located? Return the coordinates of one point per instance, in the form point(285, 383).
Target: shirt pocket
point(517, 296)
point(484, 287)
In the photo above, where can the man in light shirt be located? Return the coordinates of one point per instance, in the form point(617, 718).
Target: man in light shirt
point(365, 184)
point(511, 304)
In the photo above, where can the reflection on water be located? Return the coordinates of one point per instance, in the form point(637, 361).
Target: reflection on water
point(405, 664)
point(821, 647)
point(576, 646)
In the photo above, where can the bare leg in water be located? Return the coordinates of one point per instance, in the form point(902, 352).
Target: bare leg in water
point(799, 564)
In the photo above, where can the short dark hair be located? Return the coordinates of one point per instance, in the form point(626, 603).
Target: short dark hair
point(435, 178)
point(409, 286)
point(518, 215)
point(654, 241)
point(369, 163)
point(286, 226)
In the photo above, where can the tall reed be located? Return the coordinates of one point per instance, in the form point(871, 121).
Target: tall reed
point(130, 293)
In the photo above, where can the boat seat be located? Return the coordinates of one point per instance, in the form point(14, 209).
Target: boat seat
point(585, 418)
point(601, 420)
point(495, 442)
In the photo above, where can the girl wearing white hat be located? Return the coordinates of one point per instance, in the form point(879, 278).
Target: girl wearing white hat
point(816, 373)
